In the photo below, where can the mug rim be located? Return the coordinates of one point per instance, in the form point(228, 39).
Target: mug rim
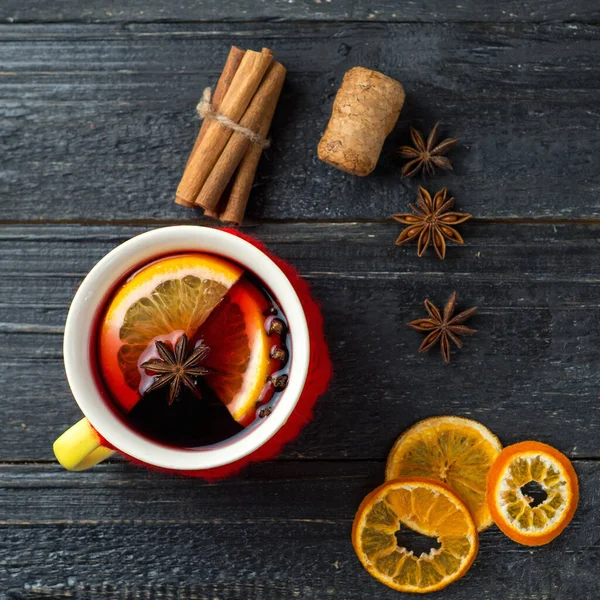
point(80, 330)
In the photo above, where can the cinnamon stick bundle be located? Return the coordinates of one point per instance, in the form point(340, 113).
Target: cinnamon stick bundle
point(222, 165)
point(259, 112)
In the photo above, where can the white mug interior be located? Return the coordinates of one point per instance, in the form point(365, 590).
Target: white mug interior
point(80, 334)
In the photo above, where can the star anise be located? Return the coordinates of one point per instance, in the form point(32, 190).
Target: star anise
point(428, 155)
point(432, 222)
point(443, 328)
point(177, 367)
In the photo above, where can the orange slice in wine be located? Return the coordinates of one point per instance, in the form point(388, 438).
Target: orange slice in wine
point(172, 295)
point(240, 350)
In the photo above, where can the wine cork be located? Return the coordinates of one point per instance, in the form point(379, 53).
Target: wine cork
point(364, 113)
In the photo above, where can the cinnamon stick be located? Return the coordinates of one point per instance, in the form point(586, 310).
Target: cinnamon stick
point(244, 177)
point(231, 66)
point(257, 117)
point(213, 214)
point(244, 85)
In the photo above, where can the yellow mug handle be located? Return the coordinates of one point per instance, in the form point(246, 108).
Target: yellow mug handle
point(79, 447)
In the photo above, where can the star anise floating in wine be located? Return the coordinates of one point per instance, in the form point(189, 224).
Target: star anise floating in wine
point(432, 221)
point(426, 156)
point(443, 327)
point(177, 368)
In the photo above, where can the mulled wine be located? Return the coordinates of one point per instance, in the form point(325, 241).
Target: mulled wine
point(191, 349)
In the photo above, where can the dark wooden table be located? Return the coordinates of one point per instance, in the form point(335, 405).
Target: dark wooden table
point(97, 118)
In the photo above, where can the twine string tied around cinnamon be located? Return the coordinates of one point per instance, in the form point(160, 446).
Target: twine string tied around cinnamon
point(207, 111)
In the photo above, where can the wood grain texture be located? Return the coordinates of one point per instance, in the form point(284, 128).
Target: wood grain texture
point(533, 369)
point(280, 531)
point(95, 11)
point(521, 97)
point(97, 119)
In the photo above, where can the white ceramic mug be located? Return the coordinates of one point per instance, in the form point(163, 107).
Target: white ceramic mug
point(80, 447)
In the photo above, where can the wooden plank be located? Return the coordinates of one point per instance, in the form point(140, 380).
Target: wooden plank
point(51, 260)
point(96, 11)
point(281, 531)
point(522, 98)
point(533, 369)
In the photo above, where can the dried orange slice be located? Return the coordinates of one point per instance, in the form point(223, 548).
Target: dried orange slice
point(239, 350)
point(524, 519)
point(428, 507)
point(174, 294)
point(454, 450)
